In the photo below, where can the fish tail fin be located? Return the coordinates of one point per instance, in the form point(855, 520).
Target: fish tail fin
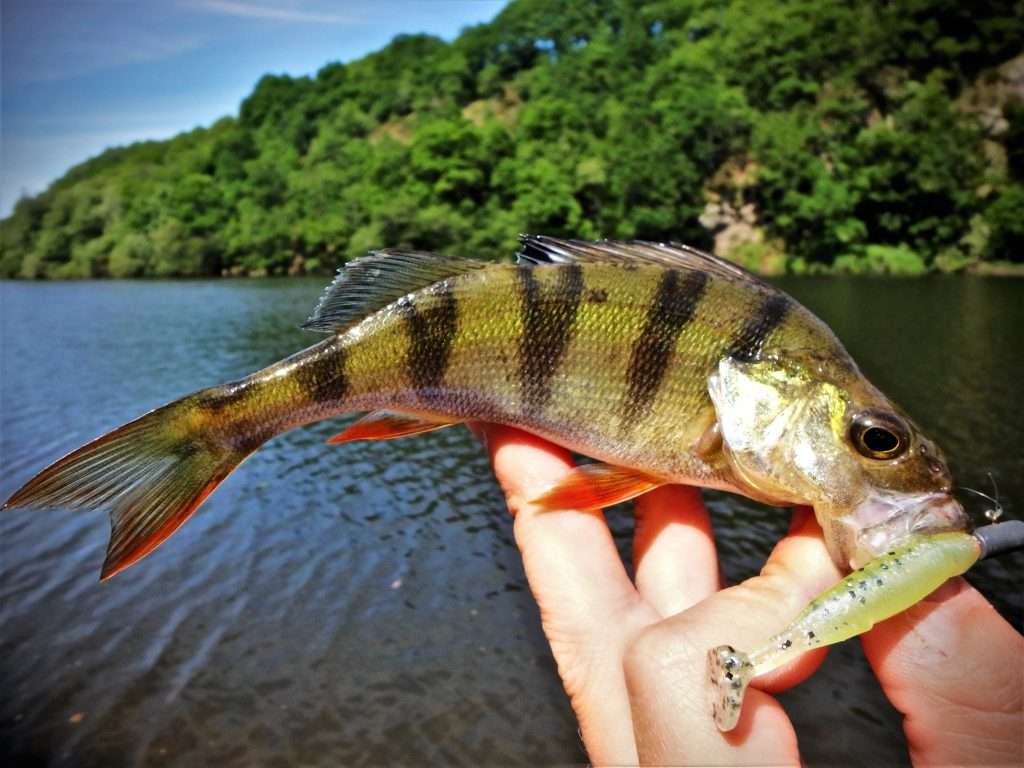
point(152, 473)
point(730, 672)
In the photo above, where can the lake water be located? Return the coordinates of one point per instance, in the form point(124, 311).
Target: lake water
point(365, 604)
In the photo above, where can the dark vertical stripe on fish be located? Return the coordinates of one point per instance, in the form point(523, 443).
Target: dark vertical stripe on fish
point(750, 340)
point(674, 305)
point(431, 332)
point(322, 376)
point(549, 318)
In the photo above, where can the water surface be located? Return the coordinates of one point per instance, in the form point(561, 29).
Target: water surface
point(365, 604)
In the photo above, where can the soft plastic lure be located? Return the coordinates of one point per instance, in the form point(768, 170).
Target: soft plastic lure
point(880, 589)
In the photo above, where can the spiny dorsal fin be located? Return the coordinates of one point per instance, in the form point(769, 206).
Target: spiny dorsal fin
point(538, 249)
point(371, 282)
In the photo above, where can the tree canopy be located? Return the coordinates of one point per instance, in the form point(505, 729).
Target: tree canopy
point(855, 136)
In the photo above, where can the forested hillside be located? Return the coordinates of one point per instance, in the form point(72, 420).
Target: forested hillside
point(798, 134)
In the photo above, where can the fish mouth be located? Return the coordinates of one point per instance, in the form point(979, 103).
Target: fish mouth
point(894, 519)
point(944, 514)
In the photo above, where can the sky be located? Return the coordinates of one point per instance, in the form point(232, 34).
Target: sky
point(79, 76)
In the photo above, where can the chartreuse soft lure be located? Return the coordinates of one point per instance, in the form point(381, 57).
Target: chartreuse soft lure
point(878, 590)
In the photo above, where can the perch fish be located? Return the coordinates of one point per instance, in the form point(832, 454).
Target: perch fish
point(663, 363)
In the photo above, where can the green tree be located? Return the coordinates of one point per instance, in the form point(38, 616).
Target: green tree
point(1005, 218)
point(840, 130)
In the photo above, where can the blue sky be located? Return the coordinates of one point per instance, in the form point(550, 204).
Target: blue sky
point(82, 75)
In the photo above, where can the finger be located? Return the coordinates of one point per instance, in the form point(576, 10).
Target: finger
point(798, 570)
point(589, 607)
point(955, 668)
point(675, 562)
point(570, 556)
point(666, 667)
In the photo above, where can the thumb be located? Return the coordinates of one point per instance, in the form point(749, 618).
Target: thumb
point(666, 665)
point(955, 669)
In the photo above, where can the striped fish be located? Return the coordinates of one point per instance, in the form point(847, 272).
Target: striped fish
point(662, 363)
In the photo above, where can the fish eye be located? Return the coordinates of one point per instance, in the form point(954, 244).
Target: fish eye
point(878, 435)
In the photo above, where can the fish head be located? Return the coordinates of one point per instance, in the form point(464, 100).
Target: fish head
point(822, 435)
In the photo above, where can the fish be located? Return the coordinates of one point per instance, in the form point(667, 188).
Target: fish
point(659, 362)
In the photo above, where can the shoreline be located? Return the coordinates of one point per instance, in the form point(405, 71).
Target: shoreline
point(999, 269)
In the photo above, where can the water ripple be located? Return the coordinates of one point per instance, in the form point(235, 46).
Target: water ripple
point(366, 604)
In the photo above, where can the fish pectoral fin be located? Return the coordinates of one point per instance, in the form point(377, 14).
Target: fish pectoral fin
point(709, 445)
point(594, 486)
point(387, 425)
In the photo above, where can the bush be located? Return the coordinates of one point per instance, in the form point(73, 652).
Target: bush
point(1005, 218)
point(882, 259)
point(131, 257)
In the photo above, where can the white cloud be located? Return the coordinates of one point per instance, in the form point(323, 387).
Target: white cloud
point(253, 10)
point(40, 46)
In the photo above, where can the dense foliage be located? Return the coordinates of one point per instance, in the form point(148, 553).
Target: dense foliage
point(845, 134)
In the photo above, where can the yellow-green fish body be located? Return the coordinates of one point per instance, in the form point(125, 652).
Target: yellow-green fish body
point(611, 363)
point(665, 364)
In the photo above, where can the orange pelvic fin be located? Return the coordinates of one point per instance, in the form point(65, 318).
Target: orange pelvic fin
point(386, 425)
point(594, 486)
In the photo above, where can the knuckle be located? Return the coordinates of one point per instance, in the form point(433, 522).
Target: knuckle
point(516, 503)
point(654, 649)
point(780, 587)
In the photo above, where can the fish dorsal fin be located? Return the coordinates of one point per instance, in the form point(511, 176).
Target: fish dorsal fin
point(371, 282)
point(537, 249)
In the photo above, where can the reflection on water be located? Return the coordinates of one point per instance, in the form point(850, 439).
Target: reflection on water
point(365, 604)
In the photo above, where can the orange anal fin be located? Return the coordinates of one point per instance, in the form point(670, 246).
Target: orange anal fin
point(386, 425)
point(594, 486)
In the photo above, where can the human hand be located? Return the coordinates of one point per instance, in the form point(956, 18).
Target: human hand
point(632, 654)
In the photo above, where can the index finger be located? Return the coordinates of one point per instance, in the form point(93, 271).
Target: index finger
point(570, 558)
point(589, 607)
